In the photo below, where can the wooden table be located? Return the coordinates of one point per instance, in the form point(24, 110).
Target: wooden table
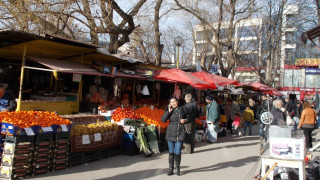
point(267, 160)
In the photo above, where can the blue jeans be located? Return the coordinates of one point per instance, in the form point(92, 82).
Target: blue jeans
point(261, 131)
point(175, 147)
point(246, 124)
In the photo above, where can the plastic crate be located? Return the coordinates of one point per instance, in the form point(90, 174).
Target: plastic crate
point(102, 154)
point(20, 139)
point(73, 161)
point(128, 136)
point(44, 138)
point(61, 136)
point(115, 150)
point(130, 151)
point(88, 156)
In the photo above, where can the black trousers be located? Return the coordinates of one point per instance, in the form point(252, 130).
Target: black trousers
point(307, 133)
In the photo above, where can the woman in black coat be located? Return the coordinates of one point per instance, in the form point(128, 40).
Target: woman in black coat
point(175, 133)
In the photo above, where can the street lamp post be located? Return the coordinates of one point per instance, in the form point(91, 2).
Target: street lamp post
point(178, 41)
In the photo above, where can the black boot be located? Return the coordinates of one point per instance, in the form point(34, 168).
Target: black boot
point(171, 164)
point(178, 160)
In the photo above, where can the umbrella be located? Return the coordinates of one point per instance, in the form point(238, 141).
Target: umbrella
point(177, 75)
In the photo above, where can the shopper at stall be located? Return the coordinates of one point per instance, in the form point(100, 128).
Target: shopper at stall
point(289, 106)
point(248, 118)
point(7, 102)
point(191, 111)
point(308, 123)
point(213, 118)
point(278, 113)
point(175, 133)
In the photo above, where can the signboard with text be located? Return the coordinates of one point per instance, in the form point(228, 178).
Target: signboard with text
point(308, 62)
point(312, 71)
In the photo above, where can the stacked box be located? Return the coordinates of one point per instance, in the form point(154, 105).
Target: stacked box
point(17, 157)
point(42, 154)
point(60, 151)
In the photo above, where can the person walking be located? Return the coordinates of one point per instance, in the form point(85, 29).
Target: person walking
point(248, 118)
point(191, 112)
point(213, 119)
point(175, 133)
point(261, 109)
point(308, 123)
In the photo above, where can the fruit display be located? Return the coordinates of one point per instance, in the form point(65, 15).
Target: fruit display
point(96, 98)
point(152, 116)
point(120, 114)
point(25, 119)
point(99, 127)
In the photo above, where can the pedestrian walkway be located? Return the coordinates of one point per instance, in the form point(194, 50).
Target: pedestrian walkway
point(229, 158)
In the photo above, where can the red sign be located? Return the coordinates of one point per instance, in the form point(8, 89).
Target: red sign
point(299, 89)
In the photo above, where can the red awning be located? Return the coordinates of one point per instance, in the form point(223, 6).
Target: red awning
point(177, 75)
point(266, 89)
point(214, 79)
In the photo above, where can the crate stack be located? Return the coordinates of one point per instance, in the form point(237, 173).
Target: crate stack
point(42, 154)
point(128, 145)
point(2, 140)
point(17, 157)
point(60, 151)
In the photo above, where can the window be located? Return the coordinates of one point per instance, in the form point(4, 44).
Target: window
point(290, 38)
point(290, 22)
point(204, 47)
point(248, 45)
point(204, 35)
point(312, 80)
point(248, 31)
point(248, 60)
point(290, 56)
point(223, 33)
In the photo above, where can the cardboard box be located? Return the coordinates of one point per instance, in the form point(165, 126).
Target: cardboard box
point(288, 148)
point(281, 132)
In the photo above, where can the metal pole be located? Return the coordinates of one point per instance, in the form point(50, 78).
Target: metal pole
point(21, 77)
point(178, 58)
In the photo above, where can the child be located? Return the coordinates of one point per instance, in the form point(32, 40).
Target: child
point(248, 118)
point(236, 124)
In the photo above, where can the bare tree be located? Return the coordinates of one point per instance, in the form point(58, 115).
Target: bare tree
point(229, 13)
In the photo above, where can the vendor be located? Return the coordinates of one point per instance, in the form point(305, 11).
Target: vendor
point(7, 102)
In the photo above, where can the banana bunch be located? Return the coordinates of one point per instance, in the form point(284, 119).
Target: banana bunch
point(99, 127)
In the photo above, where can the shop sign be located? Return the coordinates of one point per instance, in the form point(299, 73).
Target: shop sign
point(308, 62)
point(214, 68)
point(105, 69)
point(299, 89)
point(312, 71)
point(76, 77)
point(145, 72)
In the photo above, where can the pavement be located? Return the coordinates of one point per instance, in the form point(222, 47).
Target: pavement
point(228, 159)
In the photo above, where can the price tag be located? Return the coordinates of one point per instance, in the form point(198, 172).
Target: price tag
point(29, 131)
point(64, 128)
point(121, 106)
point(151, 107)
point(47, 129)
point(142, 125)
point(85, 139)
point(97, 137)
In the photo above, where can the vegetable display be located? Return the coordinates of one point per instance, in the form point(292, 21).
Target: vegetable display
point(120, 114)
point(152, 116)
point(25, 119)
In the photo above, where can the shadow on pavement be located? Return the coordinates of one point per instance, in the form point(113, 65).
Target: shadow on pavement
point(236, 163)
point(137, 174)
point(229, 146)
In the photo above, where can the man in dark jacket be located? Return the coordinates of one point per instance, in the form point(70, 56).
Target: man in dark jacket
point(289, 106)
point(261, 109)
point(191, 112)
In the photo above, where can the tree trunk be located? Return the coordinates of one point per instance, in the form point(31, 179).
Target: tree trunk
point(157, 44)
